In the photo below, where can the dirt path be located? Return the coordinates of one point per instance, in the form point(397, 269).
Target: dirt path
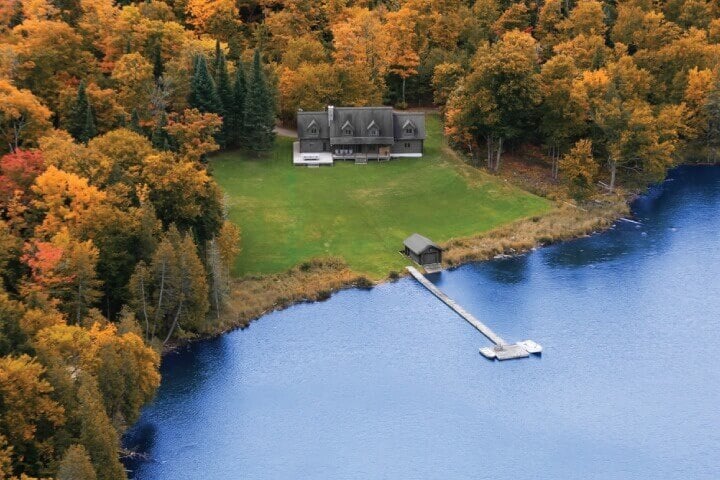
point(286, 132)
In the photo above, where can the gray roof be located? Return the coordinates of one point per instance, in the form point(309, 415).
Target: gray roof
point(360, 118)
point(304, 119)
point(418, 244)
point(389, 123)
point(417, 119)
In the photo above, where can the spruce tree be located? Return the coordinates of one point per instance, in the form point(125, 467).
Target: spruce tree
point(225, 94)
point(76, 465)
point(203, 93)
point(78, 113)
point(158, 64)
point(89, 131)
point(258, 126)
point(160, 138)
point(135, 123)
point(236, 115)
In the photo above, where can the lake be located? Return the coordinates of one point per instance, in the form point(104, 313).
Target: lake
point(388, 383)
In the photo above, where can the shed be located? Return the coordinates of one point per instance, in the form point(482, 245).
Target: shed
point(422, 250)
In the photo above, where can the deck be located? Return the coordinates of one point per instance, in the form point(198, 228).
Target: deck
point(502, 349)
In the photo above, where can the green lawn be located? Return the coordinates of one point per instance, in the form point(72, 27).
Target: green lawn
point(359, 212)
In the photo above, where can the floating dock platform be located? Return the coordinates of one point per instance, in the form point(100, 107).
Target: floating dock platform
point(502, 349)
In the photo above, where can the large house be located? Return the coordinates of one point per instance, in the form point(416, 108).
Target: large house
point(359, 134)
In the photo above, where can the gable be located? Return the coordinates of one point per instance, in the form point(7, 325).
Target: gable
point(347, 128)
point(313, 129)
point(308, 121)
point(409, 128)
point(373, 129)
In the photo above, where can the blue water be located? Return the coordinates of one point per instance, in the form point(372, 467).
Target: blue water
point(388, 383)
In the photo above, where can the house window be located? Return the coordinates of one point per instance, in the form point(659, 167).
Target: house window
point(407, 145)
point(313, 131)
point(409, 130)
point(347, 131)
point(374, 132)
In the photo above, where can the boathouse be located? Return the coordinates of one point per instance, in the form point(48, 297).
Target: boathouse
point(423, 251)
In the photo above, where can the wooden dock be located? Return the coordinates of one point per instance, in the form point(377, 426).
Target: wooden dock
point(502, 349)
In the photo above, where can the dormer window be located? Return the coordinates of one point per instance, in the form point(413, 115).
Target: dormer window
point(409, 129)
point(347, 129)
point(373, 129)
point(313, 129)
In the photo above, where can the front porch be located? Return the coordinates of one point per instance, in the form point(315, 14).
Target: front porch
point(361, 153)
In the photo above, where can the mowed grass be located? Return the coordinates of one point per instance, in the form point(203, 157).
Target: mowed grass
point(361, 213)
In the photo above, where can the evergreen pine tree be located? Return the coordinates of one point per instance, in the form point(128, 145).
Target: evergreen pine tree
point(160, 138)
point(259, 122)
point(97, 434)
point(135, 122)
point(89, 131)
point(18, 15)
point(76, 465)
point(78, 113)
point(158, 64)
point(225, 94)
point(236, 115)
point(203, 93)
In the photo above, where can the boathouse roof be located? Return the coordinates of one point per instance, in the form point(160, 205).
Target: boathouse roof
point(418, 244)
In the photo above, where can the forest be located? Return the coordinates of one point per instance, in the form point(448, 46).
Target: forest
point(114, 241)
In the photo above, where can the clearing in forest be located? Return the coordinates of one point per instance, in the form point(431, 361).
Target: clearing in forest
point(361, 213)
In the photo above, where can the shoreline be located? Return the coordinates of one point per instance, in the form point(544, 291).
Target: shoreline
point(318, 279)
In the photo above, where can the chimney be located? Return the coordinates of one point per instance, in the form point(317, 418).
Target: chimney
point(331, 113)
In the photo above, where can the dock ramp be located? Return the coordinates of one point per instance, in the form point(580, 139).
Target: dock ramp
point(501, 350)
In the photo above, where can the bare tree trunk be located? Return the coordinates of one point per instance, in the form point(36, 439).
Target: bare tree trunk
point(144, 310)
point(174, 324)
point(499, 153)
point(160, 298)
point(489, 142)
point(555, 161)
point(79, 303)
point(613, 171)
point(213, 259)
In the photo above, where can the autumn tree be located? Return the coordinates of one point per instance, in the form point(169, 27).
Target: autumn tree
point(171, 292)
point(711, 111)
point(28, 413)
point(183, 194)
point(579, 168)
point(66, 201)
point(18, 171)
point(496, 100)
point(193, 133)
point(561, 117)
point(23, 118)
point(403, 58)
point(65, 268)
point(133, 75)
point(49, 53)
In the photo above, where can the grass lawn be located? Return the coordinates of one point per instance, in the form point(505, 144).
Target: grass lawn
point(362, 213)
